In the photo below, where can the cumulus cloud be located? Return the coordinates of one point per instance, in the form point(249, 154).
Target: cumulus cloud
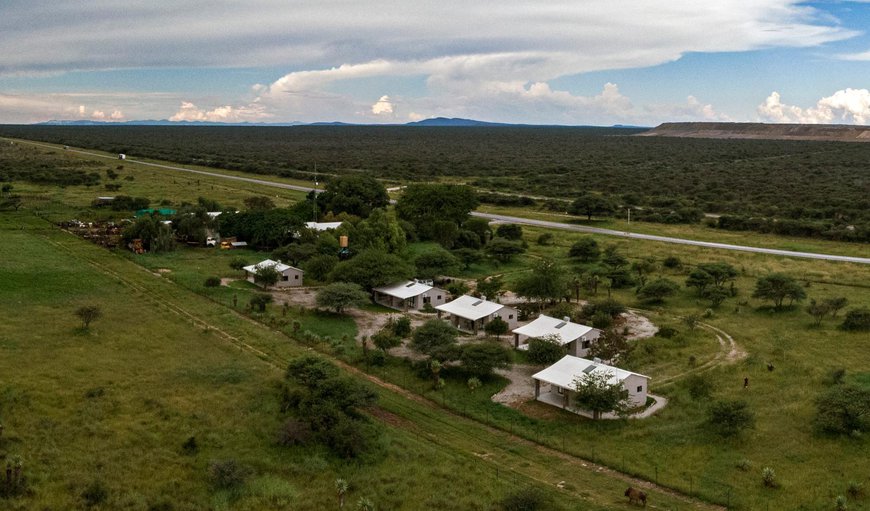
point(382, 106)
point(848, 106)
point(249, 113)
point(29, 108)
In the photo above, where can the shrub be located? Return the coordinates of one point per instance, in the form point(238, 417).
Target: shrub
point(855, 490)
point(857, 320)
point(95, 494)
point(226, 474)
point(768, 477)
point(744, 465)
point(212, 282)
point(526, 499)
point(402, 327)
point(473, 383)
point(545, 239)
point(840, 503)
point(545, 351)
point(190, 447)
point(699, 386)
point(294, 432)
point(672, 262)
point(729, 418)
point(843, 409)
point(377, 358)
point(667, 332)
point(260, 300)
point(601, 320)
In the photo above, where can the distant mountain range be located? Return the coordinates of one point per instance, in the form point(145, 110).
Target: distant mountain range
point(761, 131)
point(433, 122)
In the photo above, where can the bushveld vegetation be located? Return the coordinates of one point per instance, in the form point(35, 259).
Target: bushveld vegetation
point(815, 451)
point(799, 188)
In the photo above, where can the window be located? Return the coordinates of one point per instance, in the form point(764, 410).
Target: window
point(640, 388)
point(427, 299)
point(438, 297)
point(585, 344)
point(510, 316)
point(296, 277)
point(285, 278)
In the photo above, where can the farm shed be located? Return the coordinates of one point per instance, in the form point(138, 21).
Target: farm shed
point(556, 384)
point(290, 276)
point(576, 338)
point(409, 295)
point(470, 314)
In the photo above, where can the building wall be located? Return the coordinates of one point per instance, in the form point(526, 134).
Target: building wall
point(632, 383)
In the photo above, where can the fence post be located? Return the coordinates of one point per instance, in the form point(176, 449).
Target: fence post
point(657, 474)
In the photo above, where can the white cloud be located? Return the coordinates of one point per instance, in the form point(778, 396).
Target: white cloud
point(250, 113)
point(849, 106)
point(382, 106)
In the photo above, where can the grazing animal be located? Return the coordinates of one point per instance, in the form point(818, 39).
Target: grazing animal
point(635, 496)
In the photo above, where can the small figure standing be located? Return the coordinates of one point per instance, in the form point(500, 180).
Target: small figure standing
point(745, 382)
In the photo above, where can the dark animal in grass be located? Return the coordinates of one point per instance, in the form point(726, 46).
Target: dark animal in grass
point(635, 496)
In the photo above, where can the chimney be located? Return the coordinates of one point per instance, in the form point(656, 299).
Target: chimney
point(483, 297)
point(566, 319)
point(596, 360)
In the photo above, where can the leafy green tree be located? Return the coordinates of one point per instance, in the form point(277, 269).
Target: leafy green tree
point(843, 410)
point(509, 231)
point(490, 287)
point(385, 339)
point(425, 204)
point(401, 327)
point(700, 280)
point(592, 204)
point(480, 227)
point(595, 392)
point(721, 272)
point(434, 337)
point(260, 300)
point(857, 320)
point(264, 229)
point(504, 250)
point(657, 290)
point(643, 268)
point(729, 418)
point(380, 231)
point(295, 253)
point(319, 267)
point(479, 359)
point(496, 328)
point(777, 287)
point(372, 268)
point(155, 235)
point(818, 310)
point(444, 232)
point(356, 194)
point(436, 262)
point(836, 304)
point(88, 314)
point(339, 296)
point(266, 276)
point(716, 295)
point(547, 281)
point(585, 250)
point(237, 263)
point(545, 350)
point(468, 256)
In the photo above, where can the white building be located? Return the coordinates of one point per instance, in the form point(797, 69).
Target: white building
point(560, 381)
point(471, 314)
point(289, 276)
point(409, 295)
point(323, 226)
point(576, 338)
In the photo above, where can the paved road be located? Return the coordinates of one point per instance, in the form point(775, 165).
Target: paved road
point(519, 220)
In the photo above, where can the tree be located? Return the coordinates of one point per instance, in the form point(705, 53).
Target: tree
point(857, 320)
point(592, 204)
point(720, 272)
point(509, 231)
point(385, 339)
point(295, 253)
point(545, 350)
point(657, 290)
point(777, 287)
point(585, 250)
point(843, 410)
point(436, 262)
point(818, 310)
point(729, 418)
point(700, 280)
point(155, 235)
point(480, 227)
point(503, 250)
point(258, 203)
point(380, 231)
point(496, 328)
point(547, 281)
point(467, 256)
point(401, 326)
point(319, 267)
point(266, 229)
point(643, 268)
point(479, 359)
point(356, 194)
point(490, 287)
point(260, 300)
point(372, 268)
point(238, 263)
point(434, 337)
point(835, 304)
point(609, 345)
point(266, 276)
point(425, 204)
point(88, 314)
point(339, 296)
point(716, 296)
point(594, 392)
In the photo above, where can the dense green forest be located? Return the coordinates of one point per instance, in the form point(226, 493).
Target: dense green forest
point(817, 189)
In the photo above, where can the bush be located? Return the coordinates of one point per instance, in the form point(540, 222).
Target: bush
point(857, 320)
point(843, 410)
point(729, 418)
point(226, 474)
point(402, 327)
point(672, 262)
point(768, 477)
point(526, 499)
point(95, 494)
point(699, 386)
point(545, 351)
point(294, 432)
point(190, 447)
point(545, 239)
point(667, 332)
point(212, 282)
point(260, 300)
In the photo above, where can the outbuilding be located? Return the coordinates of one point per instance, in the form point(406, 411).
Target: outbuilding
point(556, 385)
point(470, 314)
point(323, 226)
point(576, 338)
point(289, 276)
point(409, 295)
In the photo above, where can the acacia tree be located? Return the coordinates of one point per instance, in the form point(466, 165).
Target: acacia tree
point(657, 290)
point(338, 296)
point(479, 359)
point(585, 250)
point(547, 281)
point(595, 393)
point(592, 204)
point(88, 314)
point(777, 287)
point(818, 310)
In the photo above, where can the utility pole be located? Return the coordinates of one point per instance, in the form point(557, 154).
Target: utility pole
point(629, 216)
point(314, 199)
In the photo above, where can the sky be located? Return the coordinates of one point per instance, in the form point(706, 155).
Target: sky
point(571, 62)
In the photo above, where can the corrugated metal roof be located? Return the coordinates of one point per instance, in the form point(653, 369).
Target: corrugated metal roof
point(279, 266)
point(566, 371)
point(404, 290)
point(470, 308)
point(546, 326)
